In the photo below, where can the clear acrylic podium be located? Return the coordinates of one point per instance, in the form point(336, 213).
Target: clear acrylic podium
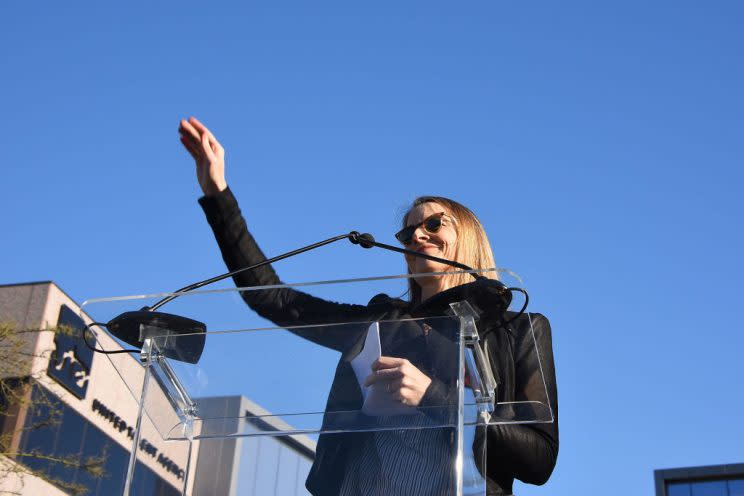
point(299, 390)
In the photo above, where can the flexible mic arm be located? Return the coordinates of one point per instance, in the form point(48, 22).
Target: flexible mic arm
point(132, 327)
point(292, 253)
point(365, 240)
point(135, 326)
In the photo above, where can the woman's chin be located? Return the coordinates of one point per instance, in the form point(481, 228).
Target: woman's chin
point(426, 268)
point(420, 275)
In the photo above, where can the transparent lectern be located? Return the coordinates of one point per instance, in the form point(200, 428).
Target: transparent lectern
point(258, 407)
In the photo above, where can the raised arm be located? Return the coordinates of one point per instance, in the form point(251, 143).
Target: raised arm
point(283, 306)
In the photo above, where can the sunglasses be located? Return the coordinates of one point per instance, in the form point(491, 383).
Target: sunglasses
point(431, 224)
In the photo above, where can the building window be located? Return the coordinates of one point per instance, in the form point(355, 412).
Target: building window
point(733, 487)
point(73, 436)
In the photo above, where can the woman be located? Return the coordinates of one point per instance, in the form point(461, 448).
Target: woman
point(352, 463)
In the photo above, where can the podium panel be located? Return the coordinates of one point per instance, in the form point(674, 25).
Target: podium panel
point(357, 398)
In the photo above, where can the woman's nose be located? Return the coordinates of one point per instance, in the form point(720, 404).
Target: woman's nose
point(419, 235)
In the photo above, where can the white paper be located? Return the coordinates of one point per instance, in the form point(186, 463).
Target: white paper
point(377, 401)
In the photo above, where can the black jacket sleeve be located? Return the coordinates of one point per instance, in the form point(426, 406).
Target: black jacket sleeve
point(285, 307)
point(528, 452)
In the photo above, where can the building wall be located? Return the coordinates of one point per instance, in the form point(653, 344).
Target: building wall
point(23, 306)
point(99, 397)
point(111, 385)
point(252, 464)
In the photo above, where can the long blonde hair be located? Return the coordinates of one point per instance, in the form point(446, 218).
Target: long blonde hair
point(473, 248)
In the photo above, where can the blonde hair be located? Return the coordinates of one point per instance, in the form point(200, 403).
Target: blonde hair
point(473, 248)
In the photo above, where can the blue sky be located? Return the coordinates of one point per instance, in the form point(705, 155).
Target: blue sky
point(599, 144)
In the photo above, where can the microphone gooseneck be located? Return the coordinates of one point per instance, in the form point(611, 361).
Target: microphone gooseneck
point(132, 327)
point(200, 284)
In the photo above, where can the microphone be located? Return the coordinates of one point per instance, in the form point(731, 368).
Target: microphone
point(487, 294)
point(135, 326)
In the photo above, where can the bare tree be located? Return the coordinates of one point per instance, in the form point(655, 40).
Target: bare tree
point(27, 406)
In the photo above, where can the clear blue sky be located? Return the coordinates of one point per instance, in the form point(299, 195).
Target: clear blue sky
point(600, 145)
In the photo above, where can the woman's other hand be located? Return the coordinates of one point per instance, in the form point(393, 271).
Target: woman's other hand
point(208, 155)
point(400, 378)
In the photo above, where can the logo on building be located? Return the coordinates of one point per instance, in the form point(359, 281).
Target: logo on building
point(71, 359)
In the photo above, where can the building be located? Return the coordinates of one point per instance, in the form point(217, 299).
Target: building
point(251, 466)
point(93, 412)
point(715, 480)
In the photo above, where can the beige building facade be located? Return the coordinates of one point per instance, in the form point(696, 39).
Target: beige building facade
point(96, 408)
point(92, 400)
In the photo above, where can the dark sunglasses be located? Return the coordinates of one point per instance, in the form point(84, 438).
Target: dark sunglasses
point(431, 224)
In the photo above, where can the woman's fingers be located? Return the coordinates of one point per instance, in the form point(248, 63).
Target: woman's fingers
point(400, 378)
point(386, 368)
point(396, 385)
point(198, 131)
point(383, 375)
point(190, 147)
point(386, 362)
point(198, 124)
point(217, 146)
point(207, 148)
point(193, 121)
point(399, 373)
point(190, 142)
point(185, 137)
point(186, 129)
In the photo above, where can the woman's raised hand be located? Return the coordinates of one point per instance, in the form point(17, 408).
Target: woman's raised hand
point(401, 379)
point(208, 155)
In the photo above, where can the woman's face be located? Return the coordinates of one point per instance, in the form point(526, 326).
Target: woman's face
point(442, 244)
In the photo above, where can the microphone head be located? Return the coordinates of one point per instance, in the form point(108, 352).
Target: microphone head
point(365, 240)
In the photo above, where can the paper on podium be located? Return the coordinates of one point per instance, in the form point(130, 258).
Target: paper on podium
point(377, 401)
